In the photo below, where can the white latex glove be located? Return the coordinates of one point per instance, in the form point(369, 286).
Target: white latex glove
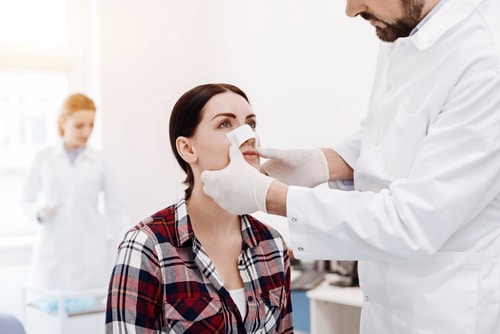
point(306, 168)
point(46, 212)
point(239, 188)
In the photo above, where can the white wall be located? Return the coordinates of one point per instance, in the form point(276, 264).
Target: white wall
point(306, 67)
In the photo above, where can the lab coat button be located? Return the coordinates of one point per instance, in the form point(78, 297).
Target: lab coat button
point(294, 219)
point(367, 298)
point(300, 249)
point(389, 87)
point(376, 142)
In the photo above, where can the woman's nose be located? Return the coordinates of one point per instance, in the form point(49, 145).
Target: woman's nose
point(250, 142)
point(88, 131)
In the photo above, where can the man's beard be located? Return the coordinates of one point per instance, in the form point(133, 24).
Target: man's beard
point(403, 26)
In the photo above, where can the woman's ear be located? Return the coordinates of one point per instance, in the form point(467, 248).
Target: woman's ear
point(186, 149)
point(60, 123)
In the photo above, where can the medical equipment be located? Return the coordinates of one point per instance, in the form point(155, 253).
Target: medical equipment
point(63, 312)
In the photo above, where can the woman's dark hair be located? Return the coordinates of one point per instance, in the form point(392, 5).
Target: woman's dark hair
point(187, 114)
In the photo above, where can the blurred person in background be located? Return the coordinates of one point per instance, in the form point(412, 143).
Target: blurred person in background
point(62, 192)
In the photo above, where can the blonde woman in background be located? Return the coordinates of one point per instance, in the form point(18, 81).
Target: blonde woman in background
point(61, 193)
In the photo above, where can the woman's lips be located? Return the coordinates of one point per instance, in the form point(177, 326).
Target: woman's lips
point(250, 155)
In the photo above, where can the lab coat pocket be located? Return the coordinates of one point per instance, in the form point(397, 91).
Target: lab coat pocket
point(402, 141)
point(438, 295)
point(194, 315)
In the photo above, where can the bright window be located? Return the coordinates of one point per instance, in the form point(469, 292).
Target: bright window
point(39, 23)
point(40, 45)
point(28, 110)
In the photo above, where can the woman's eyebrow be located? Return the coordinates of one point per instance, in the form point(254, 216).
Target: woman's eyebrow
point(224, 115)
point(233, 115)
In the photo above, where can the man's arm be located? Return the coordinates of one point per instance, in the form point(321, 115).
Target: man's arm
point(338, 169)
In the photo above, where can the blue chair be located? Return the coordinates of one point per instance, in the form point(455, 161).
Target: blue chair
point(10, 324)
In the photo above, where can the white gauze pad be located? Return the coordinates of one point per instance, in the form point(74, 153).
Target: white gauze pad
point(241, 134)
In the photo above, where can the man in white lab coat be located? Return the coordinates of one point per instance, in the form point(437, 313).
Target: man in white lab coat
point(424, 216)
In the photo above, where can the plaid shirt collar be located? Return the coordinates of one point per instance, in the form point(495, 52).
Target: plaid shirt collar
point(185, 233)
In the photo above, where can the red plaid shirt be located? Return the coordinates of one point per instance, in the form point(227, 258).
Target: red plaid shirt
point(164, 282)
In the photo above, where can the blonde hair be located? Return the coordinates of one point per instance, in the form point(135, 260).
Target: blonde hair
point(73, 103)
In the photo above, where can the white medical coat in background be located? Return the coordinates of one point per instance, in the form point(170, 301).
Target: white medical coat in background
point(74, 247)
point(424, 218)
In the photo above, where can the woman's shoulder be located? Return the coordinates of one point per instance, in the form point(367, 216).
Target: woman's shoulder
point(160, 224)
point(49, 150)
point(95, 152)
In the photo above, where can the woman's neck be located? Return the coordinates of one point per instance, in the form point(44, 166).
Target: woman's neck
point(71, 148)
point(220, 234)
point(208, 219)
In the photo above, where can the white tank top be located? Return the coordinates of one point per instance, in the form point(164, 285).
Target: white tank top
point(238, 296)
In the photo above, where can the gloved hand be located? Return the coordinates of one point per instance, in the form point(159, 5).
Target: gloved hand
point(239, 188)
point(45, 213)
point(306, 168)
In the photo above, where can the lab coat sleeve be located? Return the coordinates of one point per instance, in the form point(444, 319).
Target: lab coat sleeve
point(453, 177)
point(114, 205)
point(349, 149)
point(32, 188)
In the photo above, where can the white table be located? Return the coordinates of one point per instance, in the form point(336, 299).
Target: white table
point(335, 310)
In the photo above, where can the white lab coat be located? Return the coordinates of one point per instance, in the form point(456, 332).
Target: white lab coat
point(74, 247)
point(424, 220)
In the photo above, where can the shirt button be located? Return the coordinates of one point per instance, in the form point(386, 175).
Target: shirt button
point(250, 299)
point(389, 87)
point(300, 249)
point(376, 142)
point(294, 219)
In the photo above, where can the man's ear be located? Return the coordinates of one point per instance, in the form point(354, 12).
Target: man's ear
point(186, 149)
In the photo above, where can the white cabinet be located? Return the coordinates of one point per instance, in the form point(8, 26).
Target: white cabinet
point(335, 310)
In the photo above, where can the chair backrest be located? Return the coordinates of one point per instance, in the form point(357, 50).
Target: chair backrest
point(10, 324)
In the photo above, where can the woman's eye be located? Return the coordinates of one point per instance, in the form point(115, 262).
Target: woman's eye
point(225, 124)
point(253, 124)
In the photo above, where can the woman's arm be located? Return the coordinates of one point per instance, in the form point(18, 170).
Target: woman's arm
point(135, 297)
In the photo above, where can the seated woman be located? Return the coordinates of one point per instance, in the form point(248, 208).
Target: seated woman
point(194, 267)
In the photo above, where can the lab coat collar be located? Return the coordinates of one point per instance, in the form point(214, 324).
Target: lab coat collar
point(449, 15)
point(59, 151)
point(89, 153)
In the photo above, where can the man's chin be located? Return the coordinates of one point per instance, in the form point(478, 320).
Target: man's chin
point(386, 35)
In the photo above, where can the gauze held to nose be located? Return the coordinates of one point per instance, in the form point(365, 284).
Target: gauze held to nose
point(242, 134)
